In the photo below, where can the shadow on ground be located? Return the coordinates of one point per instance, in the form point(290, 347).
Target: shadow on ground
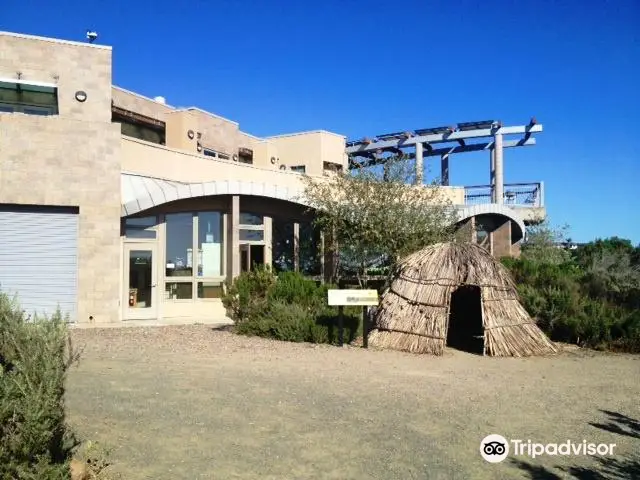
point(606, 468)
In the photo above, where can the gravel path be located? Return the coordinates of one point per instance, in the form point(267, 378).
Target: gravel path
point(190, 402)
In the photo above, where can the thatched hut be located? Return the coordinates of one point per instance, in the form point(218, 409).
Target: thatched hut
point(456, 294)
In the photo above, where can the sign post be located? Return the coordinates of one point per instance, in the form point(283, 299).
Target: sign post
point(343, 298)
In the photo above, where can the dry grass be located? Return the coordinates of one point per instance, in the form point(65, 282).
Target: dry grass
point(414, 310)
point(178, 403)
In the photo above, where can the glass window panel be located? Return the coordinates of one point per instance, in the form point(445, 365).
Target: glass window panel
point(179, 228)
point(140, 278)
point(178, 290)
point(140, 227)
point(282, 245)
point(210, 244)
point(251, 219)
point(309, 249)
point(251, 235)
point(210, 290)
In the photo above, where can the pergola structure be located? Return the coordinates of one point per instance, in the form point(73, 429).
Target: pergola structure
point(444, 142)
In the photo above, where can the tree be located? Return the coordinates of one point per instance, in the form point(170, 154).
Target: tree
point(544, 244)
point(374, 216)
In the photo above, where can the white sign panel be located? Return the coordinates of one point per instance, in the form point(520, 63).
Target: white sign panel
point(211, 260)
point(353, 297)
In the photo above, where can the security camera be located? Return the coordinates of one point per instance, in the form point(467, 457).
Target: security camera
point(91, 36)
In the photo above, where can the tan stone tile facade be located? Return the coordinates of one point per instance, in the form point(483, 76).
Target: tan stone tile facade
point(70, 159)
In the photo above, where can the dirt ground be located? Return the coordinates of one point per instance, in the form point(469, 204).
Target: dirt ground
point(191, 402)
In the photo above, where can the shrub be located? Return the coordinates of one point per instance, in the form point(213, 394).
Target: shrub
point(571, 305)
point(247, 295)
point(288, 307)
point(34, 358)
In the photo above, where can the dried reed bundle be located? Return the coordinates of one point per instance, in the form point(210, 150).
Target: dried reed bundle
point(414, 310)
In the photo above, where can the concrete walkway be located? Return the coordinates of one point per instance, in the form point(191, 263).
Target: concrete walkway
point(215, 321)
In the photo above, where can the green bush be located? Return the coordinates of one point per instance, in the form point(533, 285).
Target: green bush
point(288, 307)
point(34, 358)
point(571, 305)
point(247, 295)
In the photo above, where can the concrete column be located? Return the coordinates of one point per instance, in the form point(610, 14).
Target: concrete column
point(296, 247)
point(444, 169)
point(499, 168)
point(419, 164)
point(268, 241)
point(501, 240)
point(233, 235)
point(492, 174)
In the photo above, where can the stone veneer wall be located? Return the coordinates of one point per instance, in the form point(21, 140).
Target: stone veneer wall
point(52, 161)
point(70, 159)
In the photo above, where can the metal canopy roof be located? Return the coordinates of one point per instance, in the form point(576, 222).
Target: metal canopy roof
point(372, 150)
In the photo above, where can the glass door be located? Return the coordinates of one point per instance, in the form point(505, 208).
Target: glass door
point(140, 282)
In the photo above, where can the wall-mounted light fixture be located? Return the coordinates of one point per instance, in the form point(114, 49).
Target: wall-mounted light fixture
point(190, 134)
point(273, 160)
point(81, 96)
point(199, 147)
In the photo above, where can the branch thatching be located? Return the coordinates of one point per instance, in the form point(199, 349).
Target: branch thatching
point(414, 310)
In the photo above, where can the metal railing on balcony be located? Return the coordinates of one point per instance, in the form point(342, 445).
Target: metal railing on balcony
point(517, 194)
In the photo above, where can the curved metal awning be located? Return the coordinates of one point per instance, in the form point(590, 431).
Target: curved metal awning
point(141, 193)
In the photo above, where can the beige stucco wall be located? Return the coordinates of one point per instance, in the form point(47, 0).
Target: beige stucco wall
point(139, 104)
point(153, 160)
point(157, 161)
point(311, 149)
point(66, 162)
point(71, 66)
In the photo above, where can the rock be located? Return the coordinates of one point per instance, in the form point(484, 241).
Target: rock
point(79, 470)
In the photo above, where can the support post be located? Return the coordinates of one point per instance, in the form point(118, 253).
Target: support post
point(499, 176)
point(444, 169)
point(365, 327)
point(268, 241)
point(234, 235)
point(340, 325)
point(492, 174)
point(419, 164)
point(296, 247)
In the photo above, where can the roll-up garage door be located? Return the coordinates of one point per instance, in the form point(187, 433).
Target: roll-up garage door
point(39, 258)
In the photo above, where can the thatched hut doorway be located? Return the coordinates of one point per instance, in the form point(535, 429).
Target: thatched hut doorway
point(465, 330)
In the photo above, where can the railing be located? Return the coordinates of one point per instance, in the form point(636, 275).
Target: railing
point(518, 194)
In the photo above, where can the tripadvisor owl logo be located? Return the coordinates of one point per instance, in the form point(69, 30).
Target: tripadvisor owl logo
point(494, 448)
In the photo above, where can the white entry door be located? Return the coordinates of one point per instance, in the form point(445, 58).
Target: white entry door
point(140, 272)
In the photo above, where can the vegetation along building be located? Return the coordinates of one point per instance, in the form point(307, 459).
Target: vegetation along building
point(116, 207)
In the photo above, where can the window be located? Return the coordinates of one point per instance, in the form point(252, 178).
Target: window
point(194, 274)
point(33, 98)
point(245, 155)
point(179, 227)
point(210, 290)
point(139, 126)
point(299, 169)
point(208, 152)
point(251, 219)
point(140, 228)
point(178, 290)
point(251, 235)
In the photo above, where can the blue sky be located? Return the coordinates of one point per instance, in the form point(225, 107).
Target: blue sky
point(366, 68)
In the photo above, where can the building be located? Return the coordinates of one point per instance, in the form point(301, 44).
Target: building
point(117, 207)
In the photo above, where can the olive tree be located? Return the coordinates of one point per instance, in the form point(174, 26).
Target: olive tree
point(374, 216)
